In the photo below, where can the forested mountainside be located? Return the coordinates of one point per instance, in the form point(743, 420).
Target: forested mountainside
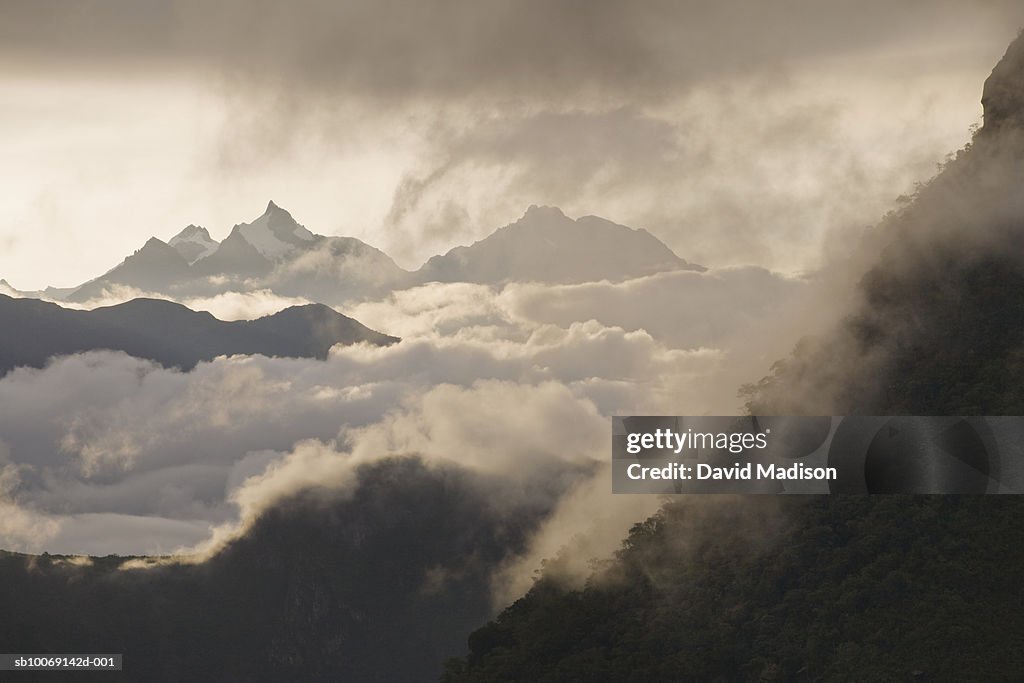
point(326, 586)
point(885, 588)
point(835, 588)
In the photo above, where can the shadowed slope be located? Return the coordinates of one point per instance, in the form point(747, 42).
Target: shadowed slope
point(33, 331)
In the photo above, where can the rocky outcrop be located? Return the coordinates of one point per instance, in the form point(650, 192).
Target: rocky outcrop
point(1003, 95)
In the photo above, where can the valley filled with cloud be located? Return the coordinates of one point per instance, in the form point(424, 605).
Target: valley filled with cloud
point(105, 453)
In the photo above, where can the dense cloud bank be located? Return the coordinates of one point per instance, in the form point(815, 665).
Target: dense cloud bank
point(104, 453)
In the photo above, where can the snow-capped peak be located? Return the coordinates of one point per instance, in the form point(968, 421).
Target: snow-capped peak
point(275, 233)
point(194, 243)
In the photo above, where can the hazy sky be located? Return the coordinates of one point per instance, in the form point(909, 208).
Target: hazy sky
point(737, 131)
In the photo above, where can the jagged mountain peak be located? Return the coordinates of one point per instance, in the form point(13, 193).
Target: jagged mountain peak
point(190, 231)
point(275, 234)
point(194, 243)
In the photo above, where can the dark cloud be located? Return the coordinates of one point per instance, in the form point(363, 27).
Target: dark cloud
point(449, 47)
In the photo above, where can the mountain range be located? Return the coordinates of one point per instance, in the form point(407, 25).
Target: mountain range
point(168, 333)
point(276, 253)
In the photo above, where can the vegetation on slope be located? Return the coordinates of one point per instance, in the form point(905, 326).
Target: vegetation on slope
point(849, 588)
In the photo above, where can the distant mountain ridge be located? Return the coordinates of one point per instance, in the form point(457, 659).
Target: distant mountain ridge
point(277, 253)
point(32, 332)
point(545, 245)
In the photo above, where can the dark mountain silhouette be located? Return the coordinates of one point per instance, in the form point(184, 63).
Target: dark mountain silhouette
point(1003, 95)
point(33, 331)
point(545, 245)
point(380, 585)
point(850, 588)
